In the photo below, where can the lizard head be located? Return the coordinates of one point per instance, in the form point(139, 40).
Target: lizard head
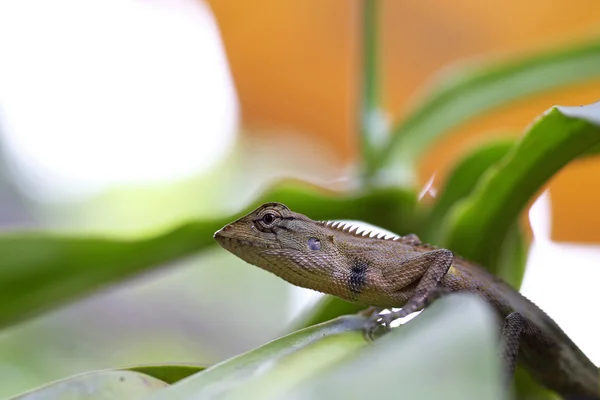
point(274, 238)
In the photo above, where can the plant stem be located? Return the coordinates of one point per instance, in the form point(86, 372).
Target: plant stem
point(370, 123)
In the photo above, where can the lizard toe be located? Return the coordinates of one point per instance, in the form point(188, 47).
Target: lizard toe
point(376, 326)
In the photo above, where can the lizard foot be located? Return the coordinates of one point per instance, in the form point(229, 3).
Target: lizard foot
point(378, 321)
point(375, 324)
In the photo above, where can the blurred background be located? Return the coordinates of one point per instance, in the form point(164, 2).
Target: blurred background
point(127, 117)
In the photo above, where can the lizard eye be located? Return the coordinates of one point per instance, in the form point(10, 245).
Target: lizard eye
point(268, 219)
point(314, 243)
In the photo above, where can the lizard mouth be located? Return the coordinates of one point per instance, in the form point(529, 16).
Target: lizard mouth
point(226, 241)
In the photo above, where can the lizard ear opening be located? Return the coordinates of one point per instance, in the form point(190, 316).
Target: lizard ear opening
point(314, 243)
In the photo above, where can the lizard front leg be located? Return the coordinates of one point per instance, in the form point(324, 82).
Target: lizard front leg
point(435, 263)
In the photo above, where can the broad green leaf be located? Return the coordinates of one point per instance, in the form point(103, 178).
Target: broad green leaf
point(41, 270)
point(461, 181)
point(479, 225)
point(324, 343)
point(169, 372)
point(98, 385)
point(327, 308)
point(467, 92)
point(447, 352)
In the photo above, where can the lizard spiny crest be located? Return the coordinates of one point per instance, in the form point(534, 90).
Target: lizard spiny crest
point(354, 230)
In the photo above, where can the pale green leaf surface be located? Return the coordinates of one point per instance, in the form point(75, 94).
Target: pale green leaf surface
point(326, 308)
point(341, 336)
point(447, 352)
point(99, 385)
point(301, 366)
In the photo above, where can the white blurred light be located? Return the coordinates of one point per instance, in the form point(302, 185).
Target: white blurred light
point(96, 93)
point(562, 279)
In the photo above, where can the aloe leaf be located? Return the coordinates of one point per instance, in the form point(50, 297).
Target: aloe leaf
point(98, 385)
point(291, 358)
point(325, 309)
point(461, 181)
point(478, 226)
point(41, 270)
point(449, 351)
point(467, 92)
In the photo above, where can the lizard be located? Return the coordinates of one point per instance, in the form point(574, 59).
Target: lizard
point(389, 272)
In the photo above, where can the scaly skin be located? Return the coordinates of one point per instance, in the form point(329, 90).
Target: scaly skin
point(403, 272)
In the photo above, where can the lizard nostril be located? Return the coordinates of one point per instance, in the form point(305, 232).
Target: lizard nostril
point(219, 234)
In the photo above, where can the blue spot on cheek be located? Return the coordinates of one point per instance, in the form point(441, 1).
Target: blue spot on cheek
point(314, 244)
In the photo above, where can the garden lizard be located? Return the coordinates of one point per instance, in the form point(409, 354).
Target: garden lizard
point(391, 272)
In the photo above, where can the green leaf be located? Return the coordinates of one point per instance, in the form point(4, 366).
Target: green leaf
point(447, 352)
point(479, 225)
point(289, 360)
point(98, 385)
point(461, 181)
point(327, 308)
point(39, 271)
point(170, 372)
point(525, 387)
point(470, 91)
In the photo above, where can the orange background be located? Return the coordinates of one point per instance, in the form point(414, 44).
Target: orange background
point(295, 64)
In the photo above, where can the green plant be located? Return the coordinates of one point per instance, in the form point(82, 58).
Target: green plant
point(476, 215)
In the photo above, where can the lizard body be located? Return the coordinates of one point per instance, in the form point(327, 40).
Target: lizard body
point(392, 272)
